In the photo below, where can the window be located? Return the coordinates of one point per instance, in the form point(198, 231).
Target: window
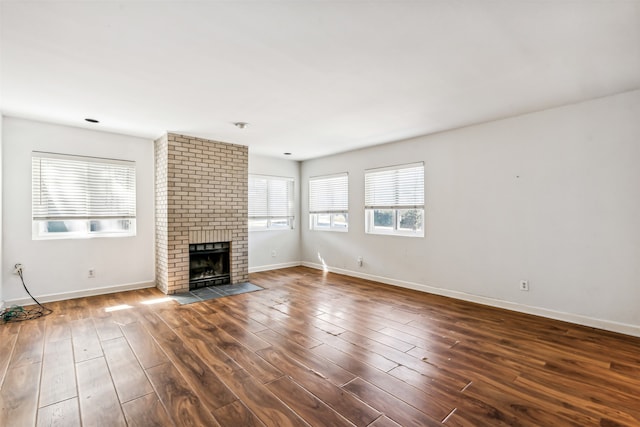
point(79, 197)
point(329, 202)
point(394, 200)
point(270, 203)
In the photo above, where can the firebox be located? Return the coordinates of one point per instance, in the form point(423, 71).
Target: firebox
point(209, 264)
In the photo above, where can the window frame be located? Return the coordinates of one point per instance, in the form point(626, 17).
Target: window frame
point(396, 189)
point(314, 223)
point(271, 220)
point(73, 197)
point(329, 197)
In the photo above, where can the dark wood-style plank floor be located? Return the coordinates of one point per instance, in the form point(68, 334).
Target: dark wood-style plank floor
point(311, 349)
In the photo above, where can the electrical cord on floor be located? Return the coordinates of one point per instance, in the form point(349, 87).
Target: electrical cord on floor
point(18, 313)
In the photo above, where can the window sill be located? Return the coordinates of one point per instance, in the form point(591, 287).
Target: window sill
point(80, 236)
point(260, 230)
point(396, 233)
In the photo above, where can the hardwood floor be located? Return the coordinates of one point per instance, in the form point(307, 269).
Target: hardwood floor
point(311, 349)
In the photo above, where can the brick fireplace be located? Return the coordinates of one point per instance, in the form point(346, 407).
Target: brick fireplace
point(201, 198)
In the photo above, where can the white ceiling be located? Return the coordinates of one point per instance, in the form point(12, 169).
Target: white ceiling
point(311, 77)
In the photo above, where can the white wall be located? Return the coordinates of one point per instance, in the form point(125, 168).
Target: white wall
point(58, 269)
point(2, 268)
point(285, 243)
point(551, 197)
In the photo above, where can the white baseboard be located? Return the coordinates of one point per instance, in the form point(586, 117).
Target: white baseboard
point(83, 293)
point(608, 325)
point(274, 266)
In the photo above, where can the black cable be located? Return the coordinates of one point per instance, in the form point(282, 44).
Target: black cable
point(19, 314)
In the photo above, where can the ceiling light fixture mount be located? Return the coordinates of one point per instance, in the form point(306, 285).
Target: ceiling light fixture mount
point(241, 125)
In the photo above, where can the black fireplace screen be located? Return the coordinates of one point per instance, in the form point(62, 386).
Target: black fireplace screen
point(209, 264)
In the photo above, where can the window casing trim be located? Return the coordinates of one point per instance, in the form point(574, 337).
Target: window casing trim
point(76, 197)
point(334, 223)
point(395, 195)
point(259, 218)
point(329, 202)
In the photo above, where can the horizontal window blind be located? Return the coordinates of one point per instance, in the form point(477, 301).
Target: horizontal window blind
point(397, 187)
point(68, 187)
point(270, 197)
point(329, 194)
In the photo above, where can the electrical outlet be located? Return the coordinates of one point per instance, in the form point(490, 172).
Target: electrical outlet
point(92, 273)
point(524, 285)
point(360, 261)
point(17, 269)
point(274, 253)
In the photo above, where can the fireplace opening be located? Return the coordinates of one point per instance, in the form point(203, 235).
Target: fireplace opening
point(209, 264)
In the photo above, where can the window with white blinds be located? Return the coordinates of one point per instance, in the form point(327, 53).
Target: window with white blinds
point(329, 202)
point(400, 187)
point(394, 200)
point(75, 196)
point(270, 202)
